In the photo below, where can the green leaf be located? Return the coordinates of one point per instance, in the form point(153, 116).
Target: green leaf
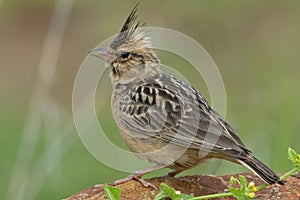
point(112, 193)
point(294, 157)
point(237, 193)
point(292, 154)
point(243, 182)
point(167, 191)
point(232, 180)
point(241, 193)
point(161, 195)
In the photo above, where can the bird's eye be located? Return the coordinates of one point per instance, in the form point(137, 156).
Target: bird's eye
point(125, 55)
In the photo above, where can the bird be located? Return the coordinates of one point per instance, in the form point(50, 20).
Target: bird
point(163, 119)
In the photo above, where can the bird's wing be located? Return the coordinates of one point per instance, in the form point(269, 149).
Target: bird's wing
point(174, 111)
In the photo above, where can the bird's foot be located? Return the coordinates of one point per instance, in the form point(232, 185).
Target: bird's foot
point(137, 177)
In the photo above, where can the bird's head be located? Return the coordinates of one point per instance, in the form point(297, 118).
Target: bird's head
point(131, 54)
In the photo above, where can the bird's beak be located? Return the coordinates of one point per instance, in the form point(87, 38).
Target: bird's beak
point(103, 54)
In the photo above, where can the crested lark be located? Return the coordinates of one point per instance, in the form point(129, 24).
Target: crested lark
point(163, 119)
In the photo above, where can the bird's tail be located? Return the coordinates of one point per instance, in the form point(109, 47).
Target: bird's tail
point(261, 170)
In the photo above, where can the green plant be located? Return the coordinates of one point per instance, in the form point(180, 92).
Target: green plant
point(112, 193)
point(167, 191)
point(244, 192)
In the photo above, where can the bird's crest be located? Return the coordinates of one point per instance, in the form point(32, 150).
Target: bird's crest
point(130, 26)
point(129, 30)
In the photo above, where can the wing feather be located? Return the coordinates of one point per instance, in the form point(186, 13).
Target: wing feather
point(177, 113)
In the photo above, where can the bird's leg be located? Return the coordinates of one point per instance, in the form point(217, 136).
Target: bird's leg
point(174, 173)
point(138, 176)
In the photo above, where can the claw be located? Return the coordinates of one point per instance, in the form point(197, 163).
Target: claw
point(137, 178)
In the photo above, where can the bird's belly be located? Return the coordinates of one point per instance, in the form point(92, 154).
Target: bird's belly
point(162, 153)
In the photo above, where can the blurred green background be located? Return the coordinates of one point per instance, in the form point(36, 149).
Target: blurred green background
point(255, 44)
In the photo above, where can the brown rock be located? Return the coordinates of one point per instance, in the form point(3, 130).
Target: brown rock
point(196, 184)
